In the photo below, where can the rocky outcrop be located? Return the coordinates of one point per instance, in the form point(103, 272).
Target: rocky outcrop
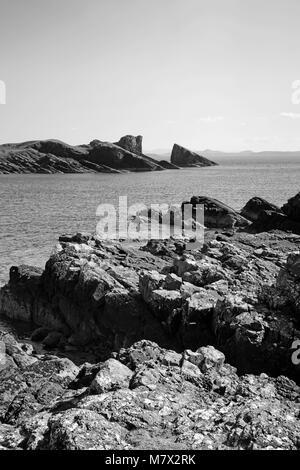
point(111, 295)
point(217, 214)
point(113, 156)
point(53, 156)
point(87, 290)
point(271, 220)
point(57, 148)
point(143, 397)
point(131, 143)
point(256, 206)
point(32, 161)
point(183, 157)
point(112, 375)
point(222, 301)
point(267, 217)
point(155, 347)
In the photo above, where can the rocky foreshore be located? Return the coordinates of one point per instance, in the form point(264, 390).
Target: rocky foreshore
point(158, 346)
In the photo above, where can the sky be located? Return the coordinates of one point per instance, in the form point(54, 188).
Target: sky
point(206, 74)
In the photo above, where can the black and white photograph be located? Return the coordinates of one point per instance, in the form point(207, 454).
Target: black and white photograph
point(149, 229)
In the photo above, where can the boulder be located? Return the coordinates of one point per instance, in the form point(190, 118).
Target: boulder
point(14, 354)
point(218, 214)
point(139, 353)
point(187, 290)
point(207, 273)
point(148, 282)
point(273, 220)
point(200, 306)
point(167, 248)
point(255, 206)
point(18, 297)
point(185, 264)
point(172, 282)
point(77, 238)
point(34, 383)
point(172, 358)
point(292, 208)
point(84, 430)
point(111, 376)
point(205, 358)
point(209, 358)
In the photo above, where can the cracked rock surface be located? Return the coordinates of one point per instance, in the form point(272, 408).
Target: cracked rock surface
point(148, 398)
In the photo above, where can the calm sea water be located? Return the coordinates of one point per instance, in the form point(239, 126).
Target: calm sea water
point(36, 209)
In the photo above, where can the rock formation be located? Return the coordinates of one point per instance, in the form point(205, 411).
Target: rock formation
point(183, 157)
point(217, 214)
point(116, 157)
point(223, 295)
point(131, 143)
point(256, 206)
point(168, 165)
point(267, 216)
point(292, 208)
point(52, 156)
point(156, 347)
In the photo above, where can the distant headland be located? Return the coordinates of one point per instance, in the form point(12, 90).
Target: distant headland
point(126, 155)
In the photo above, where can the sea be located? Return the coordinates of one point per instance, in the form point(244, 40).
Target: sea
point(36, 209)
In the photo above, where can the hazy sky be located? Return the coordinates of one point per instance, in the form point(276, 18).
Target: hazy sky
point(204, 73)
